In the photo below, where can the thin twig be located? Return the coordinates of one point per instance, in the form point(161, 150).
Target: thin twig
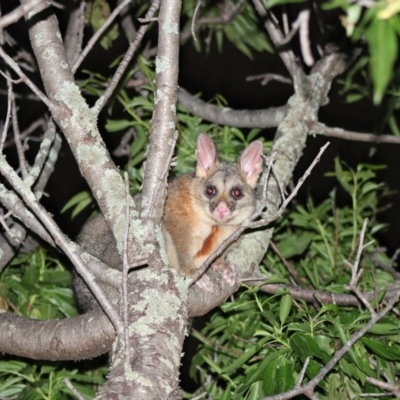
point(17, 136)
point(356, 272)
point(321, 129)
point(97, 35)
point(324, 297)
point(27, 81)
point(388, 268)
point(147, 20)
point(225, 16)
point(304, 20)
point(40, 122)
point(393, 390)
point(286, 263)
point(199, 3)
point(125, 270)
point(43, 154)
point(7, 121)
point(7, 229)
point(302, 372)
point(285, 203)
point(287, 56)
point(73, 389)
point(18, 13)
point(266, 78)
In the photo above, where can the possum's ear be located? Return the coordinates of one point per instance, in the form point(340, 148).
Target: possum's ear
point(251, 162)
point(206, 155)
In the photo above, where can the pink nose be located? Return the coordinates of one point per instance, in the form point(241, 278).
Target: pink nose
point(222, 210)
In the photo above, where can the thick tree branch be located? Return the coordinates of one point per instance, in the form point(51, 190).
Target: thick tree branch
point(82, 337)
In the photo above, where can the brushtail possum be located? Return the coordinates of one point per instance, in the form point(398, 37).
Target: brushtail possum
point(201, 211)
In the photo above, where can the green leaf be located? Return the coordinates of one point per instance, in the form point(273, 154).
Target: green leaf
point(285, 307)
point(383, 46)
point(246, 356)
point(214, 366)
point(384, 329)
point(305, 346)
point(294, 245)
point(258, 373)
point(269, 378)
point(382, 350)
point(118, 125)
point(81, 197)
point(284, 377)
point(352, 98)
point(227, 394)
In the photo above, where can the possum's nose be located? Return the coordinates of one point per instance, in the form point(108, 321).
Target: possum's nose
point(222, 210)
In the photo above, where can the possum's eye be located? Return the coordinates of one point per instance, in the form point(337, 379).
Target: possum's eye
point(237, 193)
point(210, 191)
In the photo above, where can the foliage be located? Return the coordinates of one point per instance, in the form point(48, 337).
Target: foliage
point(37, 285)
point(256, 345)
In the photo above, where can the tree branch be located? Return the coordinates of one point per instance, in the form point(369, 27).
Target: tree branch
point(18, 13)
point(268, 118)
point(322, 129)
point(82, 337)
point(162, 133)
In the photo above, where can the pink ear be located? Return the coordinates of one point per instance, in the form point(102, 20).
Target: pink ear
point(206, 155)
point(251, 162)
